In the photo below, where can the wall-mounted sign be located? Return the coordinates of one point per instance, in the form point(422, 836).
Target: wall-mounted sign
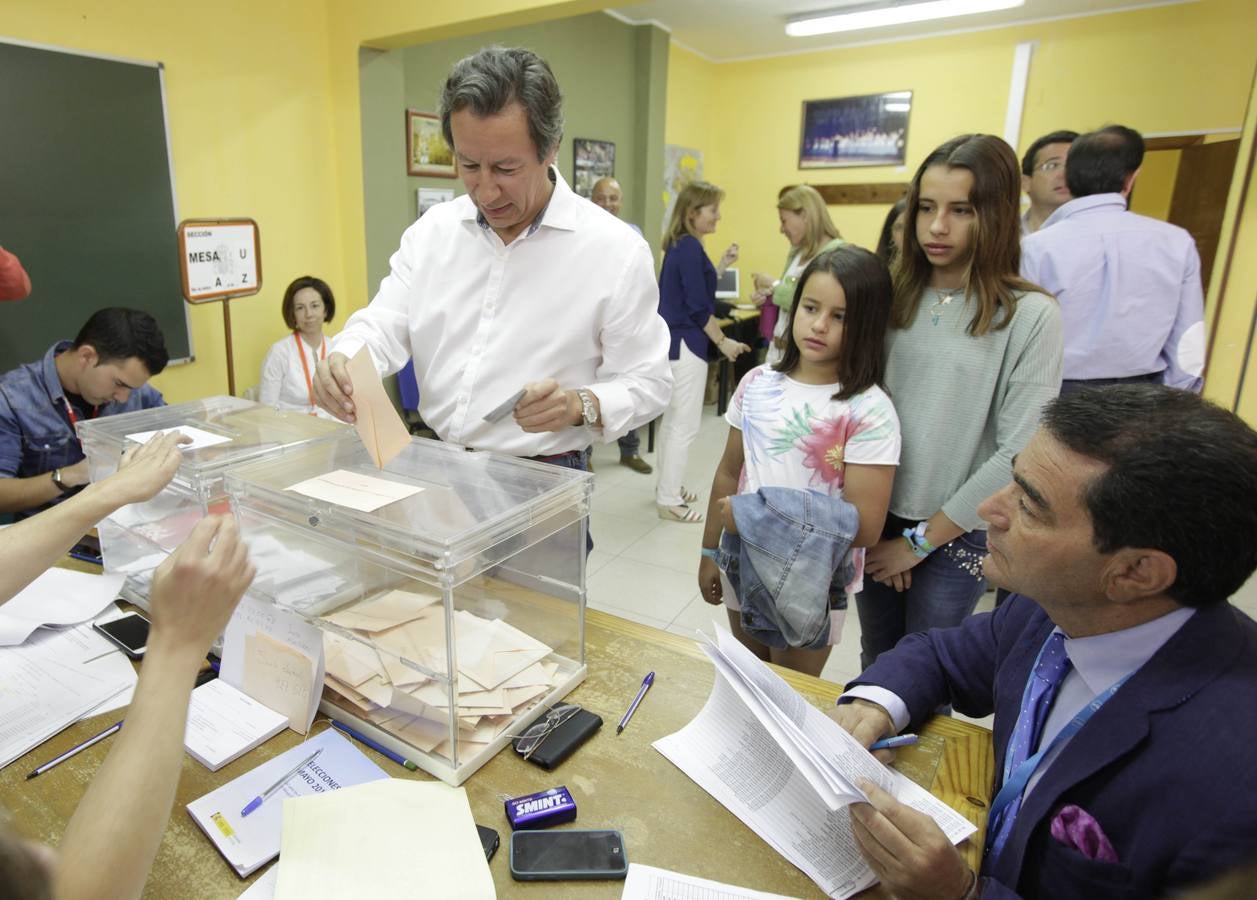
point(219, 259)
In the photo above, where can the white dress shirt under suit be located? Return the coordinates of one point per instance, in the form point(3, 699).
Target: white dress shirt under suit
point(1129, 291)
point(573, 298)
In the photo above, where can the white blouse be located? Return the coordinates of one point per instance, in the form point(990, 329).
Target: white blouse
point(284, 382)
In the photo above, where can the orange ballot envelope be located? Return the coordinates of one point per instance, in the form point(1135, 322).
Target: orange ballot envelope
point(379, 426)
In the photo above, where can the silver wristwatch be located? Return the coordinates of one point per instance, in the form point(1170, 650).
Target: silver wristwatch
point(588, 411)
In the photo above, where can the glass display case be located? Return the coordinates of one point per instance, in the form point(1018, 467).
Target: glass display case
point(450, 587)
point(225, 431)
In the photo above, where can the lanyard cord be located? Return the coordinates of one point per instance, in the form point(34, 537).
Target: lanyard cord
point(305, 366)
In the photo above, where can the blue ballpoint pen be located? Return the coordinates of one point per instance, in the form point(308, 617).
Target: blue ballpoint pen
point(890, 743)
point(646, 683)
point(270, 791)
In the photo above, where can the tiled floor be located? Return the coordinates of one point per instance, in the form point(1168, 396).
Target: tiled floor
point(646, 569)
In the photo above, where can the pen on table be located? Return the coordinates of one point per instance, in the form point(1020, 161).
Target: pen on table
point(270, 791)
point(75, 750)
point(646, 683)
point(890, 743)
point(400, 760)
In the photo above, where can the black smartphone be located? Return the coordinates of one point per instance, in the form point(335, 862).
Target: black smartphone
point(130, 632)
point(489, 840)
point(561, 855)
point(88, 550)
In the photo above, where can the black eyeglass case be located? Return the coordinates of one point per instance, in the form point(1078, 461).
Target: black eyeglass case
point(563, 741)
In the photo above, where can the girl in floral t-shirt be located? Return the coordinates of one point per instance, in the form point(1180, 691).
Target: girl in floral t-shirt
point(817, 420)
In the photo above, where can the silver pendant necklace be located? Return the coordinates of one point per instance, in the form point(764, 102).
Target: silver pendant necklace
point(943, 298)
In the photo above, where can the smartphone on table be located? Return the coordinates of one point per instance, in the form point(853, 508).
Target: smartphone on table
point(561, 855)
point(130, 633)
point(489, 840)
point(88, 550)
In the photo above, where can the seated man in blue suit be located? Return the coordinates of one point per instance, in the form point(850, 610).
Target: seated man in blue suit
point(1122, 682)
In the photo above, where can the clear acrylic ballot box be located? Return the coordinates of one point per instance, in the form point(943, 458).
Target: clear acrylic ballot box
point(449, 586)
point(225, 431)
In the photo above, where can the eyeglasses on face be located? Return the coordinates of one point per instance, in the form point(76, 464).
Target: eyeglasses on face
point(527, 743)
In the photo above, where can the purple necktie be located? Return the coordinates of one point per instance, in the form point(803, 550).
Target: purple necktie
point(1044, 683)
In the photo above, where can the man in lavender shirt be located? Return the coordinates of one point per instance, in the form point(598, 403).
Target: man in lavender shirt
point(1132, 307)
point(1127, 525)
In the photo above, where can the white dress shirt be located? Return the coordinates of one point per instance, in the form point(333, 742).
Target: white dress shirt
point(283, 382)
point(573, 298)
point(1129, 290)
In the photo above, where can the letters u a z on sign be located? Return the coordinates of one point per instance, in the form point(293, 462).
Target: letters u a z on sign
point(219, 259)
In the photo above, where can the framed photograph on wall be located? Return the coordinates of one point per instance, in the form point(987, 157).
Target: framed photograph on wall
point(426, 150)
point(591, 160)
point(855, 131)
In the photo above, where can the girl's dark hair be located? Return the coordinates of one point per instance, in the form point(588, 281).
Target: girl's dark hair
point(866, 285)
point(320, 287)
point(886, 242)
point(996, 239)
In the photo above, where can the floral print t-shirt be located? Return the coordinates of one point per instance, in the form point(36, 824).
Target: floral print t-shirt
point(796, 435)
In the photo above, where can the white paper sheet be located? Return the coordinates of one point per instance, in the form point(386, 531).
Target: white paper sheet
point(224, 723)
point(200, 437)
point(649, 883)
point(276, 680)
point(264, 887)
point(365, 493)
point(57, 597)
point(409, 838)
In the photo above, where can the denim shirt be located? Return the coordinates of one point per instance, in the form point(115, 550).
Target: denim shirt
point(790, 547)
point(35, 431)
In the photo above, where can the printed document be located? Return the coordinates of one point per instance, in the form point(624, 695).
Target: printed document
point(788, 771)
point(224, 723)
point(649, 883)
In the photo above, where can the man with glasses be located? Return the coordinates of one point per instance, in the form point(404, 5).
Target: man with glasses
point(1043, 178)
point(102, 372)
point(1132, 306)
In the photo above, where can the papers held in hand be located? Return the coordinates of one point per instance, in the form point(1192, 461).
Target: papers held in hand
point(381, 429)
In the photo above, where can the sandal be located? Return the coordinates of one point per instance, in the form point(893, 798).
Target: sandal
point(682, 513)
point(689, 496)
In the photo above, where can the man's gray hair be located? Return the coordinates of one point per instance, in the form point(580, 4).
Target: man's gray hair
point(493, 77)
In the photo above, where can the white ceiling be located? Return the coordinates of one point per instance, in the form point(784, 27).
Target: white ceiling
point(725, 30)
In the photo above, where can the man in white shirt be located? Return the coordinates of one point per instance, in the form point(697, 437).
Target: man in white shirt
point(1117, 672)
point(1043, 178)
point(1132, 305)
point(608, 194)
point(519, 285)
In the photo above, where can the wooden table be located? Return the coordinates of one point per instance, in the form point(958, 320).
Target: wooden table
point(618, 781)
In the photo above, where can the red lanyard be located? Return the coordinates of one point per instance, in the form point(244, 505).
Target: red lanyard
point(305, 366)
point(74, 420)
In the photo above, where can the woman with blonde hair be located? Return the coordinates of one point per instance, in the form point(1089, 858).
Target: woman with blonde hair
point(687, 302)
point(807, 226)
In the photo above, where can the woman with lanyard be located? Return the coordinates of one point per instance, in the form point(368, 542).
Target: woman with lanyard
point(288, 372)
point(806, 224)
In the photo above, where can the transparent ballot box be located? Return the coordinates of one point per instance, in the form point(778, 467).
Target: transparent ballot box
point(225, 431)
point(449, 585)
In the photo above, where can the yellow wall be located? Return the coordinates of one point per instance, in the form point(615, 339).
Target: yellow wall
point(1173, 68)
point(1154, 189)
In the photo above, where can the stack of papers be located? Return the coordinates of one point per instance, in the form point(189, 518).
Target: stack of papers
point(52, 681)
point(410, 839)
point(249, 843)
point(57, 597)
point(649, 883)
point(789, 771)
point(393, 676)
point(224, 724)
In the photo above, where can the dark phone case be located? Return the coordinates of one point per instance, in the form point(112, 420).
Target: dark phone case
point(563, 741)
point(489, 840)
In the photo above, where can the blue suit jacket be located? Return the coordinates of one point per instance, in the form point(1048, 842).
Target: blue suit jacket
point(1166, 766)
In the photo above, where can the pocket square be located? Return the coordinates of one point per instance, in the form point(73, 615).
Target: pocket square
point(1074, 827)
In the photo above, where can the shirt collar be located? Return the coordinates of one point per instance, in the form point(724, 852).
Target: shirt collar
point(558, 213)
point(1104, 659)
point(1084, 204)
point(48, 370)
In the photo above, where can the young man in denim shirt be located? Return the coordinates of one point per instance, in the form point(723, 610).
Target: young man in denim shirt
point(102, 372)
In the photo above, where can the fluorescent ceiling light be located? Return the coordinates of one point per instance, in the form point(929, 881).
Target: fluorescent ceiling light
point(897, 14)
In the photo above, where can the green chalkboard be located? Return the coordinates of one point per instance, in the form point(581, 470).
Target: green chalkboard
point(85, 196)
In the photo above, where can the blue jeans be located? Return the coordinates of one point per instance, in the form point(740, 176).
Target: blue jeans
point(946, 587)
point(629, 445)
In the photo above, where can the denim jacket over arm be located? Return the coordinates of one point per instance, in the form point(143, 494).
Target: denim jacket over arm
point(791, 545)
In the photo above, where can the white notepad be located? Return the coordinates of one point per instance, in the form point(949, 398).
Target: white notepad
point(224, 723)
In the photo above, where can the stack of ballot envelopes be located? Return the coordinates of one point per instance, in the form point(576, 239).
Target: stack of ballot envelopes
point(500, 670)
